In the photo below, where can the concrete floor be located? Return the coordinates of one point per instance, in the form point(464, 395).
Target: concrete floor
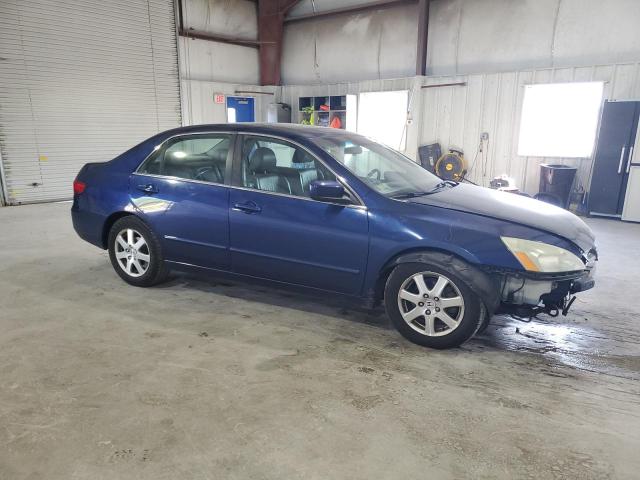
point(202, 379)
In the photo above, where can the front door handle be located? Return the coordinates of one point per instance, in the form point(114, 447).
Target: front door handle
point(248, 207)
point(148, 188)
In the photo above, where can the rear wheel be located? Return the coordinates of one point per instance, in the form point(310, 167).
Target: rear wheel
point(135, 253)
point(432, 307)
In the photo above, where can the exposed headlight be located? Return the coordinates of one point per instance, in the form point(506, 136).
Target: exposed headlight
point(542, 257)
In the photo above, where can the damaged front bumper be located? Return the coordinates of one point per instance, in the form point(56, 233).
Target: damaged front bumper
point(528, 294)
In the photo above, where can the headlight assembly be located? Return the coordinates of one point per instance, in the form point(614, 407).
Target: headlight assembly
point(542, 257)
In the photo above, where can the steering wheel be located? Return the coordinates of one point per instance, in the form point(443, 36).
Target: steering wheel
point(201, 172)
point(375, 172)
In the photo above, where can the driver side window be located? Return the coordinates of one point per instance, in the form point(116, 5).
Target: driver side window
point(193, 157)
point(278, 166)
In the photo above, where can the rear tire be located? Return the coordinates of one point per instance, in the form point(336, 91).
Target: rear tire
point(431, 306)
point(136, 253)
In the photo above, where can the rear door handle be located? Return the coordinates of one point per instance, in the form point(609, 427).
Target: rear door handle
point(248, 207)
point(630, 158)
point(148, 188)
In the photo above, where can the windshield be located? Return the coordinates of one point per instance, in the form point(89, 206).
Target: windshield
point(383, 169)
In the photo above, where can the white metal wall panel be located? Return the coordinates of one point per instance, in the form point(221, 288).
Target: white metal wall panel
point(492, 103)
point(198, 105)
point(81, 81)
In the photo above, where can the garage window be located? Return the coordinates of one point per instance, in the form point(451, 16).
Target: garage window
point(382, 116)
point(560, 120)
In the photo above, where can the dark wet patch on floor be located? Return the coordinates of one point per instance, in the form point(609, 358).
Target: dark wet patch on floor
point(562, 343)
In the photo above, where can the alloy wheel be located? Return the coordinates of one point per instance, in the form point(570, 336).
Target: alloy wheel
point(431, 304)
point(132, 252)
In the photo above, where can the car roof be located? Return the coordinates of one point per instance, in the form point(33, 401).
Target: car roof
point(284, 129)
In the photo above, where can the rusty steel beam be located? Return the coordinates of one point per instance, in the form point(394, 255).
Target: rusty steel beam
point(271, 14)
point(423, 37)
point(349, 10)
point(213, 37)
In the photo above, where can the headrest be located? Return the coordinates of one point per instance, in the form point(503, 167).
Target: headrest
point(262, 160)
point(220, 155)
point(300, 156)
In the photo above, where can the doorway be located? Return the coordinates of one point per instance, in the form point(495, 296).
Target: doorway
point(241, 109)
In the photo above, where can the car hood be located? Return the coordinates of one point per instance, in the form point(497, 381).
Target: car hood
point(513, 208)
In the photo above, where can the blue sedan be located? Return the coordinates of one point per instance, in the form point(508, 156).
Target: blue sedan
point(336, 212)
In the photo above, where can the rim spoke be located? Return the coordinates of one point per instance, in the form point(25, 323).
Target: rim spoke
point(139, 268)
point(429, 325)
point(129, 236)
point(438, 288)
point(144, 257)
point(121, 255)
point(449, 302)
point(121, 241)
point(447, 319)
point(129, 265)
point(412, 314)
point(411, 297)
point(139, 244)
point(419, 281)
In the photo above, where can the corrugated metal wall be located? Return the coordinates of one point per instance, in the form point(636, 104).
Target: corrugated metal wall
point(465, 37)
point(81, 81)
point(198, 104)
point(492, 103)
point(204, 60)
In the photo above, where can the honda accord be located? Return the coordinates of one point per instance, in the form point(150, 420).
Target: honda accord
point(333, 211)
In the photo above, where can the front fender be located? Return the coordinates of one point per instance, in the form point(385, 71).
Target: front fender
point(481, 283)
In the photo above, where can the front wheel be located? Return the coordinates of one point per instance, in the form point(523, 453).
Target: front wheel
point(432, 307)
point(135, 253)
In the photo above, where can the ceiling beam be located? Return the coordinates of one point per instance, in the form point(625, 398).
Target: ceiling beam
point(378, 5)
point(271, 14)
point(423, 37)
point(214, 37)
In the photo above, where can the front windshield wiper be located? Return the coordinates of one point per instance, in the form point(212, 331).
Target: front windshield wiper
point(439, 187)
point(445, 183)
point(401, 196)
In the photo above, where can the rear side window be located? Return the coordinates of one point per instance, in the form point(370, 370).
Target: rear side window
point(194, 157)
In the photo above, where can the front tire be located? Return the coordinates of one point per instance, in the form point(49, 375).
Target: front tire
point(431, 306)
point(136, 253)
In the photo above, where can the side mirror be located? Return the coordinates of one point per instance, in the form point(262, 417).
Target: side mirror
point(327, 191)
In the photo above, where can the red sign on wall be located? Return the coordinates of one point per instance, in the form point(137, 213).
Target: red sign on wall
point(218, 98)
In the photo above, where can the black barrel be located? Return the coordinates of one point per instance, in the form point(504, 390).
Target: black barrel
point(557, 181)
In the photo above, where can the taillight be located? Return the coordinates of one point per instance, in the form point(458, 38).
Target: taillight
point(78, 187)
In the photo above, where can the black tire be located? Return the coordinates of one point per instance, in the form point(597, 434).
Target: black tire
point(485, 324)
point(470, 316)
point(156, 270)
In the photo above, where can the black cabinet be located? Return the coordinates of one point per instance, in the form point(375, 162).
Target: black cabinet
point(613, 154)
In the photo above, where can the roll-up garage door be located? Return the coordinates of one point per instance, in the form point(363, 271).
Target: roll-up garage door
point(80, 81)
